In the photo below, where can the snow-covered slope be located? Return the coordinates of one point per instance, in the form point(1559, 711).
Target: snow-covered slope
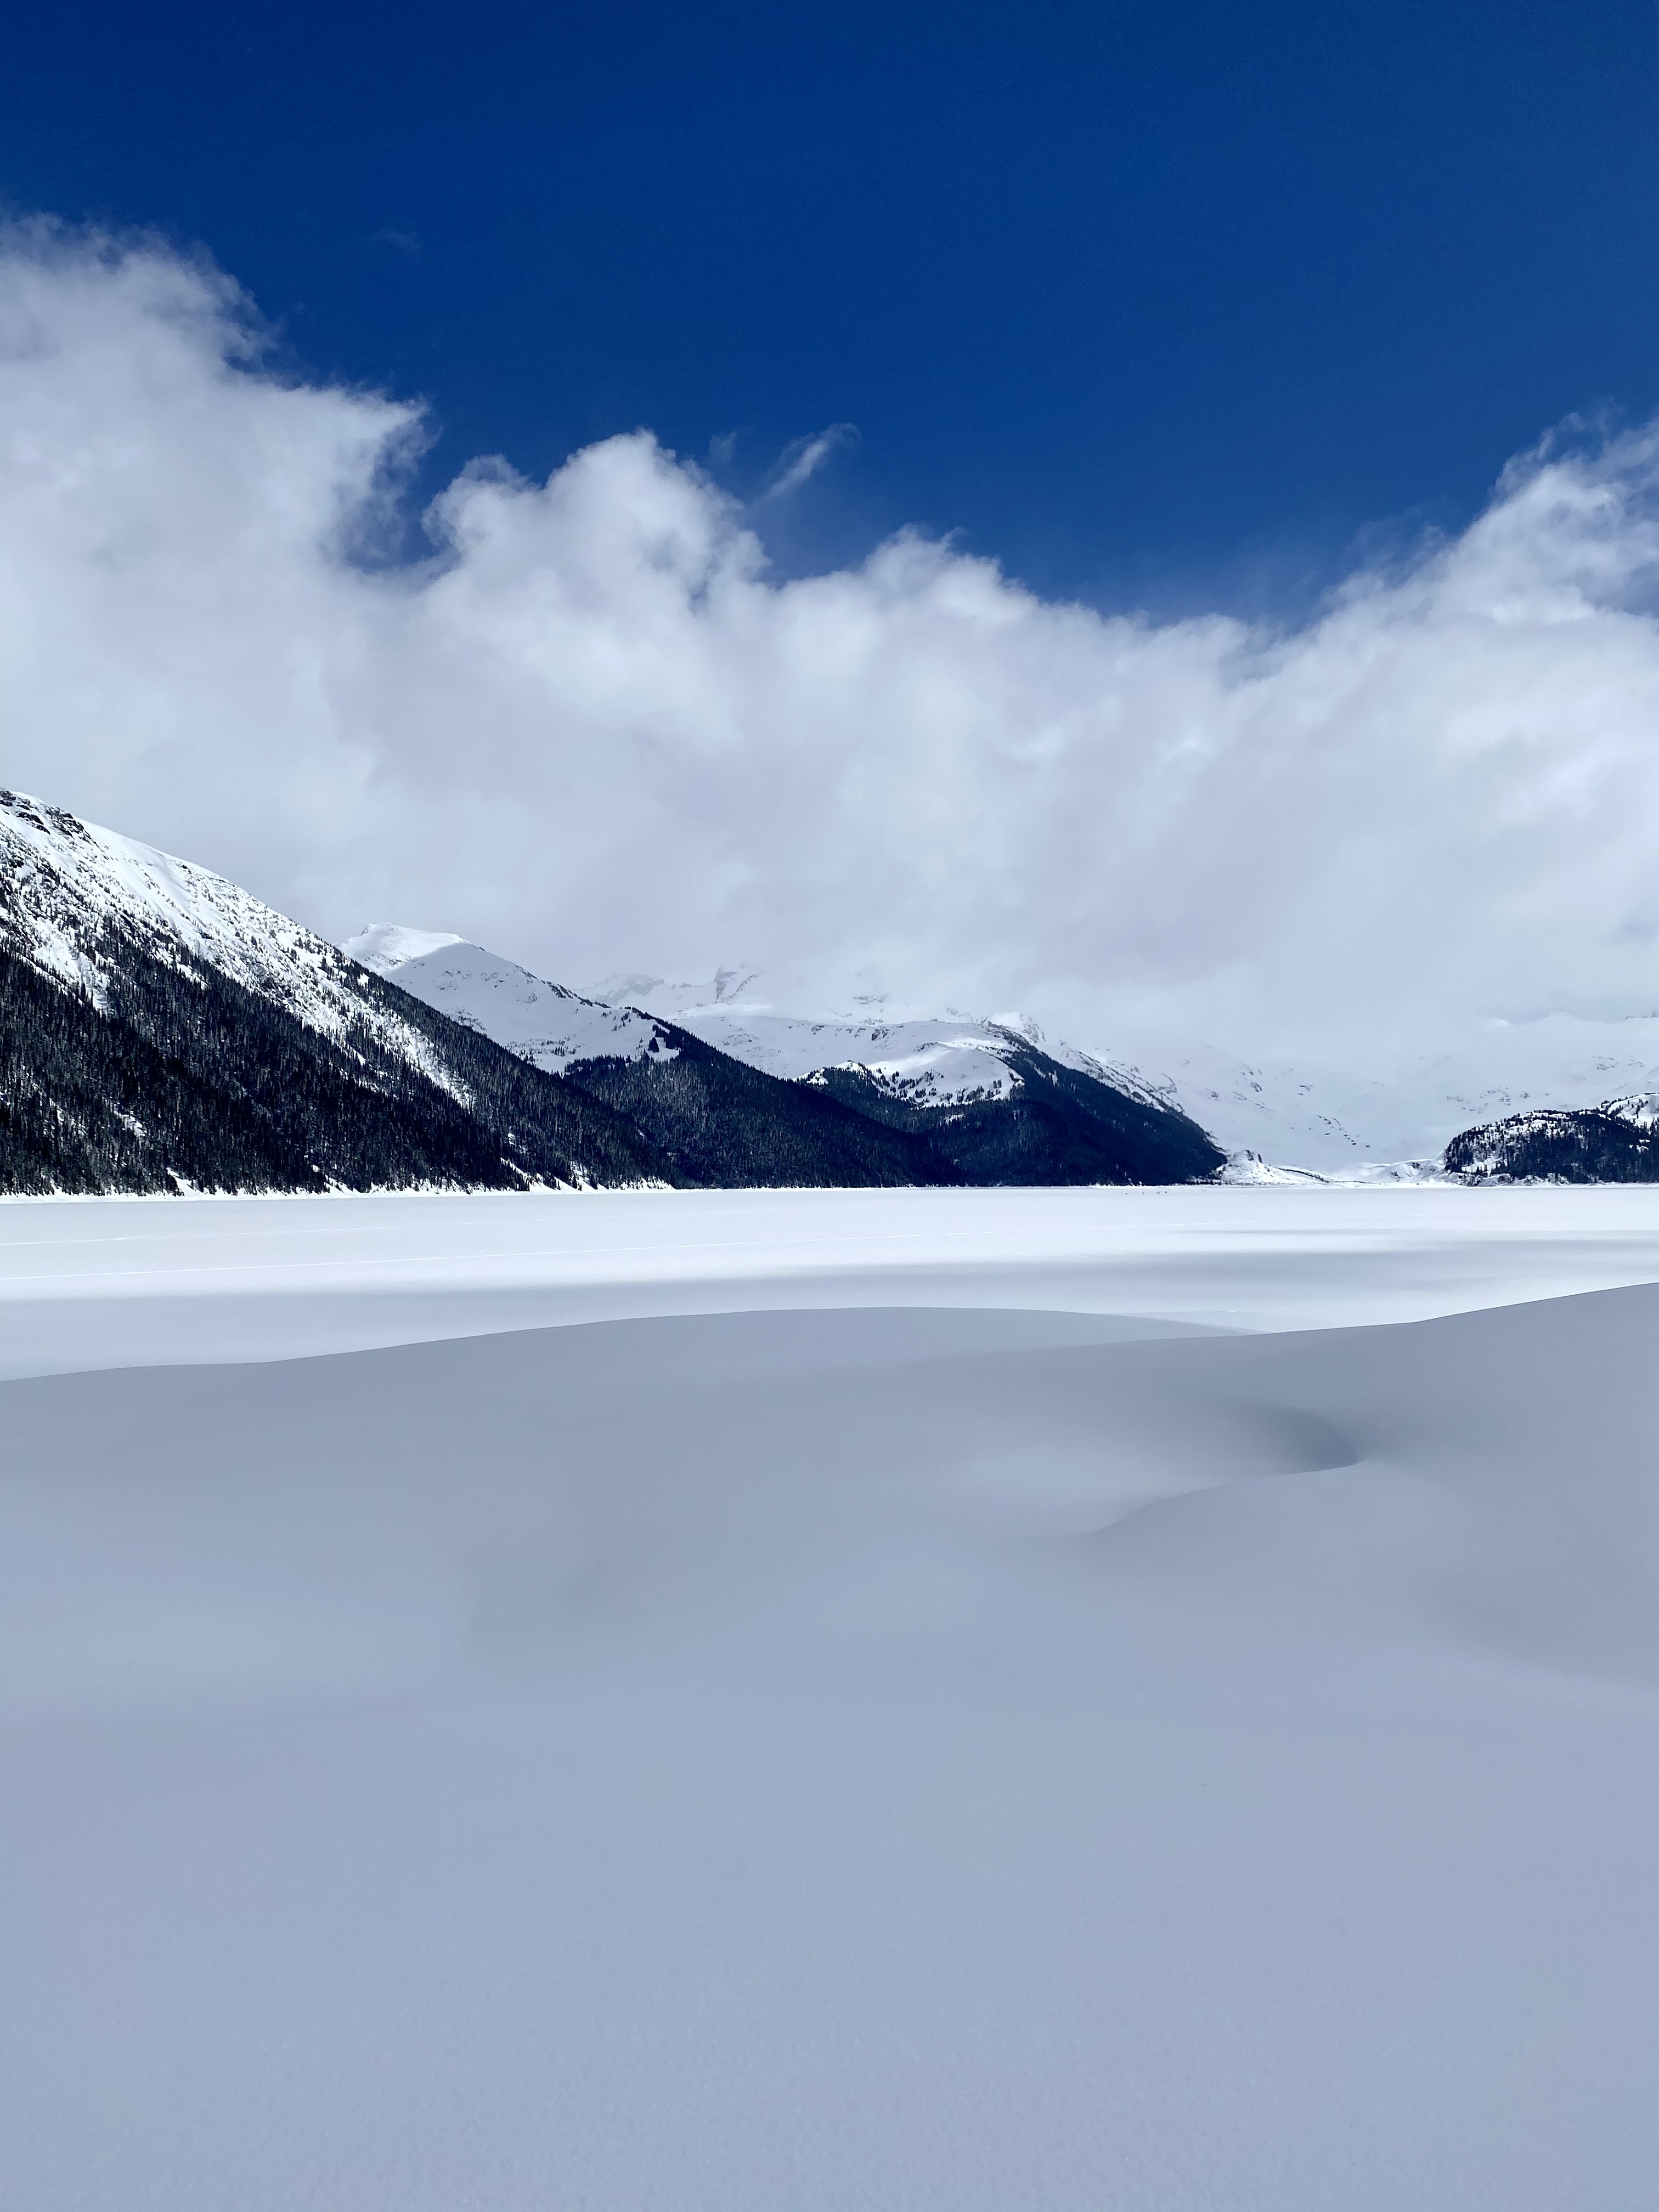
point(1308, 1118)
point(68, 889)
point(1388, 1122)
point(931, 1061)
point(162, 1029)
point(542, 1022)
point(974, 1761)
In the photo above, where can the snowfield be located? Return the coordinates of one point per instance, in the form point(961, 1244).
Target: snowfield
point(964, 1700)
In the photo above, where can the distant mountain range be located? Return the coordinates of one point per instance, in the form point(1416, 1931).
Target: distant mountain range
point(1277, 1122)
point(161, 1029)
point(1368, 1109)
point(1368, 1113)
point(728, 1093)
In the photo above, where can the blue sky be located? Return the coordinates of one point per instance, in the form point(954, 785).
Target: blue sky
point(1158, 304)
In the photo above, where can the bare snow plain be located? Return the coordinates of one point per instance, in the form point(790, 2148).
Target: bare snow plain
point(959, 1701)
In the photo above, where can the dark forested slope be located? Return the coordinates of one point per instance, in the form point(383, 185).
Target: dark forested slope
point(1056, 1124)
point(721, 1121)
point(186, 1079)
point(1618, 1142)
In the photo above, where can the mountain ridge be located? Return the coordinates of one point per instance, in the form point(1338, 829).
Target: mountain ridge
point(974, 1101)
point(166, 1030)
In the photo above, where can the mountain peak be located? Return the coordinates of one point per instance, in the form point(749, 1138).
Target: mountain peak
point(386, 946)
point(542, 1023)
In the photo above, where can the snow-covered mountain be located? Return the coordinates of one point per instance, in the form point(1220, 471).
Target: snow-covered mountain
point(74, 896)
point(944, 1060)
point(1617, 1141)
point(1389, 1121)
point(1275, 1121)
point(542, 1022)
point(1377, 1113)
point(864, 1090)
point(716, 1119)
point(987, 1101)
point(161, 1029)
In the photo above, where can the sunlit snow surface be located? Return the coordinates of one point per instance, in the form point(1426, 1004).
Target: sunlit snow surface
point(967, 1700)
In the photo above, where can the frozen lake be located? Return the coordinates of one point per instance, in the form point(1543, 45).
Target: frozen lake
point(98, 1282)
point(963, 1700)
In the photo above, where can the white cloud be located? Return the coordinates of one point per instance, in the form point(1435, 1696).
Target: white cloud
point(802, 460)
point(596, 735)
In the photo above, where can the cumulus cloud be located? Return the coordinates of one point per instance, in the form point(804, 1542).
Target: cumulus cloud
point(592, 731)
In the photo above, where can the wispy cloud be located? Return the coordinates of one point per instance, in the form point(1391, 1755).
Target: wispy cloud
point(806, 456)
point(405, 244)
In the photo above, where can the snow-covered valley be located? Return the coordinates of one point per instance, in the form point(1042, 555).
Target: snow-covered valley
point(1377, 1103)
point(970, 1699)
point(1141, 1691)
